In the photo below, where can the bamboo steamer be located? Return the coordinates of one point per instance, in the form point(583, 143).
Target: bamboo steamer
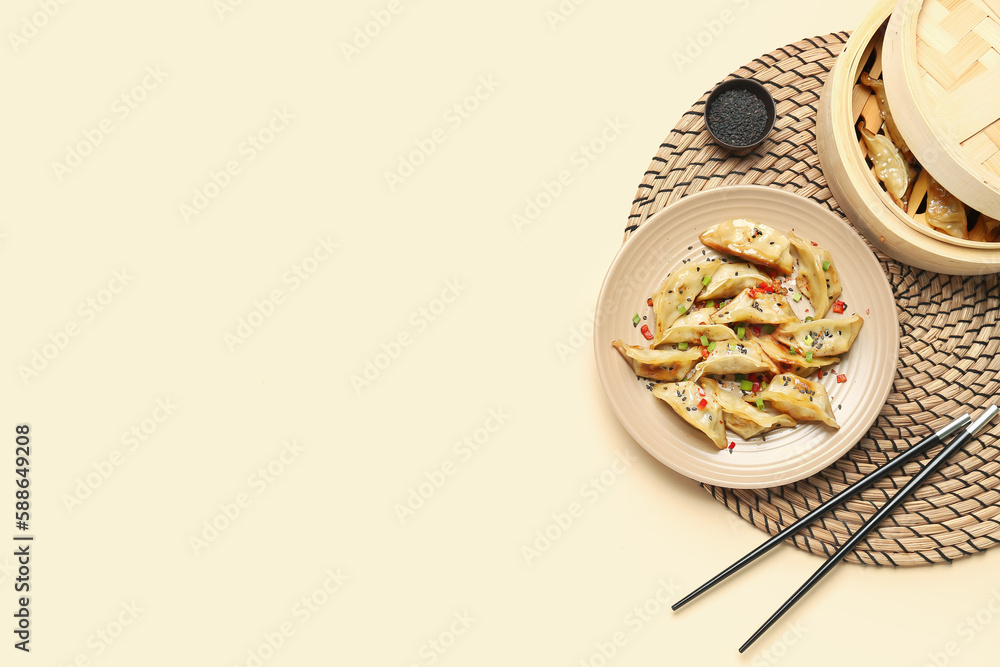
point(903, 235)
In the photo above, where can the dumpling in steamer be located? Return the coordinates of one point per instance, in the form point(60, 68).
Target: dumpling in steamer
point(945, 212)
point(751, 241)
point(820, 286)
point(693, 333)
point(793, 363)
point(684, 398)
point(825, 338)
point(729, 358)
point(662, 365)
point(762, 309)
point(731, 279)
point(800, 399)
point(743, 419)
point(676, 295)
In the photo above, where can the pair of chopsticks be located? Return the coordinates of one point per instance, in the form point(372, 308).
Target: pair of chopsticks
point(971, 429)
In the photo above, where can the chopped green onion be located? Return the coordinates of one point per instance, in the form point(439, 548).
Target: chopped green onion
point(704, 340)
point(809, 355)
point(760, 404)
point(741, 333)
point(768, 329)
point(809, 318)
point(682, 308)
point(793, 350)
point(682, 346)
point(636, 319)
point(763, 386)
point(797, 297)
point(711, 304)
point(707, 279)
point(711, 346)
point(740, 377)
point(826, 267)
point(732, 347)
point(746, 385)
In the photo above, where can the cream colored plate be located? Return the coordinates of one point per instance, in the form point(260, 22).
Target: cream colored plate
point(787, 455)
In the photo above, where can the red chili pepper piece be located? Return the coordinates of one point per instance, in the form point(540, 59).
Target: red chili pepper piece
point(702, 403)
point(841, 378)
point(756, 386)
point(839, 306)
point(731, 446)
point(645, 332)
point(814, 243)
point(753, 293)
point(649, 301)
point(704, 353)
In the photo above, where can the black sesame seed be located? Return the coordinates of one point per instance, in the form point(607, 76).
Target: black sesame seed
point(738, 117)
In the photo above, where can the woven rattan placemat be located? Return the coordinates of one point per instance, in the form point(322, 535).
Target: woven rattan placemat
point(949, 339)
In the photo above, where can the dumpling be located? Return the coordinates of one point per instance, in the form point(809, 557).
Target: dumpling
point(694, 332)
point(821, 286)
point(986, 229)
point(895, 172)
point(676, 294)
point(695, 317)
point(825, 338)
point(663, 365)
point(731, 279)
point(743, 419)
point(741, 357)
point(684, 398)
point(792, 363)
point(945, 212)
point(760, 309)
point(883, 106)
point(751, 241)
point(801, 399)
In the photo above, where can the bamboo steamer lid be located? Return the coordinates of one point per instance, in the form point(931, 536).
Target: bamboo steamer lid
point(941, 66)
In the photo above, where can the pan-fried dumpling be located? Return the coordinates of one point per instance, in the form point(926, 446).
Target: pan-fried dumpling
point(945, 212)
point(825, 338)
point(731, 279)
point(883, 106)
point(743, 419)
point(684, 398)
point(751, 241)
point(761, 309)
point(695, 317)
point(676, 294)
point(740, 357)
point(694, 332)
point(799, 398)
point(793, 363)
point(820, 286)
point(663, 365)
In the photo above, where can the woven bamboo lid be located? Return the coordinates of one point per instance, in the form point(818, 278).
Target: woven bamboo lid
point(942, 78)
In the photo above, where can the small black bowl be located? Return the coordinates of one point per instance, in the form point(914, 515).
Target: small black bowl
point(756, 89)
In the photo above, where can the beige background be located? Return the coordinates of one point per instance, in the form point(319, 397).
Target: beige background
point(492, 317)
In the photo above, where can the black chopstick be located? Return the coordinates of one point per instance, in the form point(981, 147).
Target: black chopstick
point(860, 485)
point(870, 525)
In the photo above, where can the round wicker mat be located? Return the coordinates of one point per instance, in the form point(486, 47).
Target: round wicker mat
point(949, 339)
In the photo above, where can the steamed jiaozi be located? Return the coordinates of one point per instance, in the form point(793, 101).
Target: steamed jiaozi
point(945, 212)
point(751, 241)
point(684, 398)
point(741, 418)
point(799, 398)
point(663, 365)
point(824, 338)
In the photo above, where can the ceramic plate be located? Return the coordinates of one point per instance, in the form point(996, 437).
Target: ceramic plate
point(785, 455)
